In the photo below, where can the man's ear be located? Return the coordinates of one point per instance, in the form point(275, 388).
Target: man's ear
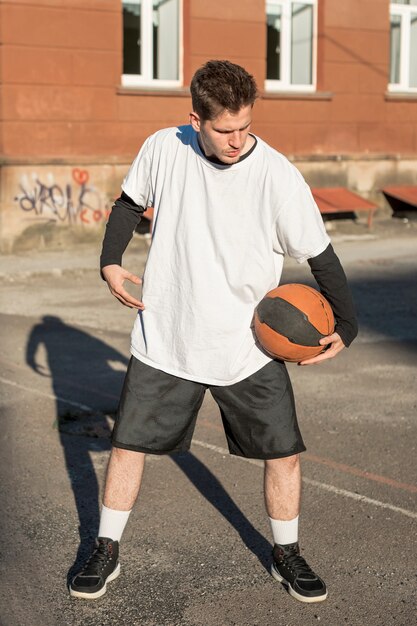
point(195, 121)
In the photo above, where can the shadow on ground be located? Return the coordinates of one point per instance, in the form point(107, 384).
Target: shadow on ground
point(212, 489)
point(87, 387)
point(87, 376)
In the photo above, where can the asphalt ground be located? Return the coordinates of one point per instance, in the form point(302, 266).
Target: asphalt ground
point(197, 548)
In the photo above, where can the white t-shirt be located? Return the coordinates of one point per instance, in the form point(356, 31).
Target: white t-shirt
point(218, 243)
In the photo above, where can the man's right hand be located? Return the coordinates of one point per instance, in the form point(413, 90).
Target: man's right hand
point(115, 276)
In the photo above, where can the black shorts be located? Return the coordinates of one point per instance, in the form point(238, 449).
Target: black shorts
point(158, 411)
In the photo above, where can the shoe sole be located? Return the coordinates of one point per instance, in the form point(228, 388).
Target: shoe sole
point(292, 592)
point(100, 592)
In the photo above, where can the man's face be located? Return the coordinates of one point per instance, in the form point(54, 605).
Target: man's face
point(225, 137)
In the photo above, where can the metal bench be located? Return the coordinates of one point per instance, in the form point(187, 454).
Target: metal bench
point(401, 198)
point(342, 200)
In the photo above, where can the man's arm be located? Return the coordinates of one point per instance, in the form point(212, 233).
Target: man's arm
point(124, 218)
point(328, 272)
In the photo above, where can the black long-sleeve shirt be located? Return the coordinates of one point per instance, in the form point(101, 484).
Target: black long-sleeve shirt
point(124, 217)
point(330, 277)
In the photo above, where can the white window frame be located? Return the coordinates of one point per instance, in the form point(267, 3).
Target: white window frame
point(403, 11)
point(145, 79)
point(285, 70)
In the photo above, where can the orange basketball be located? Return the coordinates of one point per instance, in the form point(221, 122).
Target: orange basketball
point(291, 319)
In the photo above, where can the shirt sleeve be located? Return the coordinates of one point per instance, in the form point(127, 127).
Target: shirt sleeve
point(300, 230)
point(328, 272)
point(138, 181)
point(126, 212)
point(124, 217)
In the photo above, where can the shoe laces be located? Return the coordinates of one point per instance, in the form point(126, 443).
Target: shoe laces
point(97, 560)
point(297, 563)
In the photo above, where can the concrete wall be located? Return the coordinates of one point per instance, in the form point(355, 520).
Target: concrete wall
point(365, 175)
point(39, 197)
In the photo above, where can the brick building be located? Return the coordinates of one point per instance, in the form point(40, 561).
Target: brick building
point(84, 82)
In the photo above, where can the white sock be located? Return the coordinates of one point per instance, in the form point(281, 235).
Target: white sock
point(284, 531)
point(112, 523)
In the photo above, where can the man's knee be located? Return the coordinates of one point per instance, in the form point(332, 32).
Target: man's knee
point(121, 454)
point(288, 463)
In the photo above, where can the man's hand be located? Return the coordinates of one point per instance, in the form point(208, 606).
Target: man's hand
point(115, 276)
point(336, 346)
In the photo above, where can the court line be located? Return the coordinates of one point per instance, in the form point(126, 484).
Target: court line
point(342, 467)
point(314, 483)
point(61, 379)
point(51, 396)
point(348, 469)
point(223, 451)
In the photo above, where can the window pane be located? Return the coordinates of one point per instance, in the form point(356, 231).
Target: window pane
point(413, 51)
point(165, 39)
point(131, 37)
point(395, 48)
point(273, 42)
point(302, 44)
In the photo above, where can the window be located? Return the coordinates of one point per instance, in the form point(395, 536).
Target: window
point(403, 48)
point(291, 45)
point(151, 43)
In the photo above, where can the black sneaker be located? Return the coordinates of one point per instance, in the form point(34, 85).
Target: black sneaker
point(293, 571)
point(102, 566)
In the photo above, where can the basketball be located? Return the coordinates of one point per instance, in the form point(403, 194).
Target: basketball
point(291, 319)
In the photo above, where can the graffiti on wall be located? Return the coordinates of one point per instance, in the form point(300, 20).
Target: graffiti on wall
point(73, 203)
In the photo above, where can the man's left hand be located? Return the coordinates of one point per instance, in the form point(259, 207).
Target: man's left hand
point(335, 344)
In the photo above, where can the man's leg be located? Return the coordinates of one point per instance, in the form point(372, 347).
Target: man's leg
point(123, 480)
point(260, 422)
point(282, 486)
point(282, 500)
point(176, 402)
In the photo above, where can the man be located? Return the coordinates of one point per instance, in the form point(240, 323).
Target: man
point(227, 208)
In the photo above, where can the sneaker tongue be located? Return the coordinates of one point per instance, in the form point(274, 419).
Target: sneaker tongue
point(105, 545)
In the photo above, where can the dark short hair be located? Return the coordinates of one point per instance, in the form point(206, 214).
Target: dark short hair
point(219, 86)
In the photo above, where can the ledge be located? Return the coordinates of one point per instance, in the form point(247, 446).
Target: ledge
point(70, 160)
point(356, 156)
point(125, 160)
point(295, 95)
point(184, 92)
point(167, 92)
point(402, 96)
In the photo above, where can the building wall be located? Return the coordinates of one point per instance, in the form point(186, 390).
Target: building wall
point(63, 109)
